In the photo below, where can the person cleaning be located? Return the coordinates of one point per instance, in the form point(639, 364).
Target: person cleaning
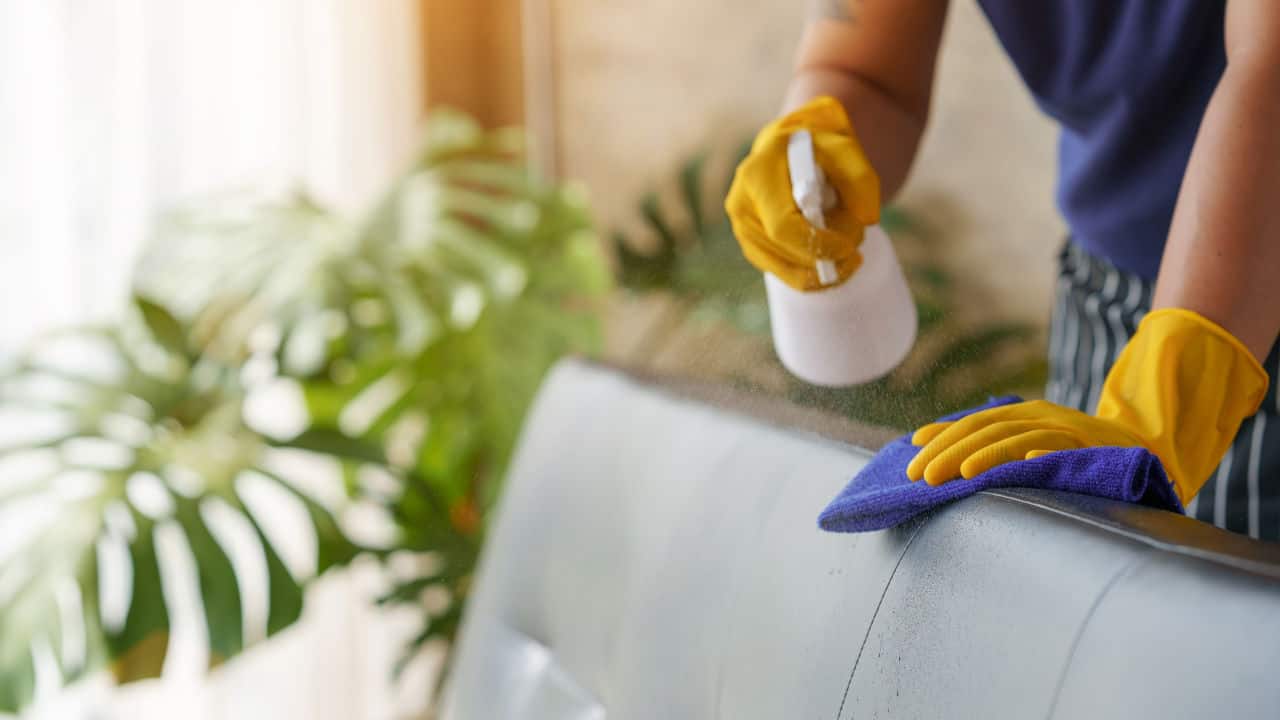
point(1167, 306)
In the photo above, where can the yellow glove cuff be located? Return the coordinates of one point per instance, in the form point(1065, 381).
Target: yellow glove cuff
point(1184, 384)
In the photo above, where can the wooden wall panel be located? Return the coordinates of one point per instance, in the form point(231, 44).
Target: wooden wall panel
point(474, 58)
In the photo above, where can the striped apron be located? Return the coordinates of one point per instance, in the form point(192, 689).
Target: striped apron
point(1096, 310)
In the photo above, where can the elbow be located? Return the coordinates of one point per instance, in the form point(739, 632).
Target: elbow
point(913, 105)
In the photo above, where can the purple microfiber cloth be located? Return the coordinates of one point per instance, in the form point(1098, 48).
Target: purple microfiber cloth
point(881, 496)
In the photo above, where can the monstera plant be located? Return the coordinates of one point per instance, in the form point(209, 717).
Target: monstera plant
point(285, 379)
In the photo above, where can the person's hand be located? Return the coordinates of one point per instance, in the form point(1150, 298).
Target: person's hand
point(773, 233)
point(976, 443)
point(1180, 389)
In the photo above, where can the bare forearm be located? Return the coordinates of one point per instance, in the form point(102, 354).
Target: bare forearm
point(877, 58)
point(889, 133)
point(1222, 259)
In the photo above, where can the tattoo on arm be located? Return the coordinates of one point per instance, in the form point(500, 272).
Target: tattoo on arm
point(842, 10)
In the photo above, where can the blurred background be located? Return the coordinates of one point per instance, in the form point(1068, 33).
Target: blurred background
point(279, 278)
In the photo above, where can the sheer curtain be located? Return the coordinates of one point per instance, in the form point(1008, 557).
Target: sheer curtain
point(111, 110)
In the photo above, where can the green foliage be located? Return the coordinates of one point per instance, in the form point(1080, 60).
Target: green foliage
point(694, 255)
point(140, 448)
point(413, 341)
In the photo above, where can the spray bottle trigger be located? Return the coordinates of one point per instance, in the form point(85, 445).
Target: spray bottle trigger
point(827, 274)
point(808, 183)
point(811, 193)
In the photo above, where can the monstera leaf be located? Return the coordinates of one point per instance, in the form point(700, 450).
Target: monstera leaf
point(418, 333)
point(466, 228)
point(394, 355)
point(128, 475)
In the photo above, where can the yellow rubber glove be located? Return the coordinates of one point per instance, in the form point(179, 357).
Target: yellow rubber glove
point(1180, 389)
point(773, 233)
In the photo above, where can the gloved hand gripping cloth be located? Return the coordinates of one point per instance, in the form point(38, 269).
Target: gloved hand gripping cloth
point(1180, 389)
point(1167, 413)
point(882, 496)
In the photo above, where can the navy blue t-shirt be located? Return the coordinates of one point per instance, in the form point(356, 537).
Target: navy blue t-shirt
point(1129, 80)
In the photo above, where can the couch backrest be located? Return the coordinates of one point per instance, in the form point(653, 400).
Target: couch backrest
point(656, 556)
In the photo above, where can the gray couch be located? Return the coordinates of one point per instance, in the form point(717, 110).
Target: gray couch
point(656, 556)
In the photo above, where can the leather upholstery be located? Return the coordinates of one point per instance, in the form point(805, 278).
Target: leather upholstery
point(656, 556)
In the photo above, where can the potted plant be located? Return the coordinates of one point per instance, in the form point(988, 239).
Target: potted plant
point(396, 352)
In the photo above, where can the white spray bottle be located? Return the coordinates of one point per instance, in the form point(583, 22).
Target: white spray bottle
point(849, 332)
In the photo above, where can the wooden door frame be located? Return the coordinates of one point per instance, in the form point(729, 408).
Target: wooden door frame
point(541, 92)
point(495, 59)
